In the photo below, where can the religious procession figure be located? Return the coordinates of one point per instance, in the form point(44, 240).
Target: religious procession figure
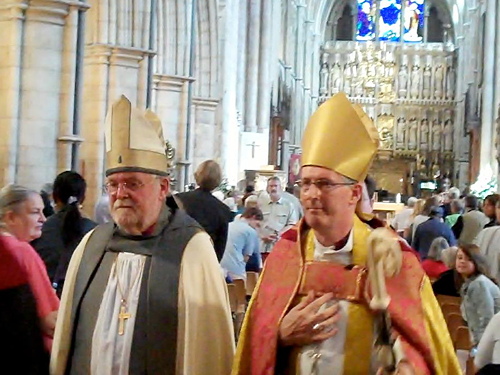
point(439, 82)
point(448, 135)
point(403, 81)
point(426, 92)
point(143, 294)
point(400, 133)
point(412, 134)
point(415, 82)
point(424, 134)
point(335, 78)
point(436, 135)
point(330, 297)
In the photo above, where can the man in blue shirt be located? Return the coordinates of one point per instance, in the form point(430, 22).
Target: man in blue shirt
point(431, 229)
point(242, 242)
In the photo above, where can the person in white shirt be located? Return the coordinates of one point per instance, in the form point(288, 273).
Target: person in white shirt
point(402, 220)
point(279, 215)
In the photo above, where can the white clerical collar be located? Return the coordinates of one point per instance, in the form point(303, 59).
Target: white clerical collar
point(325, 250)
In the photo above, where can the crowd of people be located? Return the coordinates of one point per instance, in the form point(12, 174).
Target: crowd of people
point(141, 287)
point(456, 238)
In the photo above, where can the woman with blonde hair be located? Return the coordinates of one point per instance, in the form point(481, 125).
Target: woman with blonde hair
point(28, 303)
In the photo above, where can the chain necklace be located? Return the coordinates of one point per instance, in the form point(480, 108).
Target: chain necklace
point(123, 314)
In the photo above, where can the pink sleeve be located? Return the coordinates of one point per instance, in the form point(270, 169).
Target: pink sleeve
point(45, 295)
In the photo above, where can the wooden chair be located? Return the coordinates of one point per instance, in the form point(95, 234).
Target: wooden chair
point(252, 278)
point(448, 308)
point(462, 339)
point(233, 299)
point(448, 299)
point(241, 294)
point(453, 321)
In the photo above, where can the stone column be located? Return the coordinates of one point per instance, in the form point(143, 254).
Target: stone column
point(426, 23)
point(487, 154)
point(40, 92)
point(230, 131)
point(265, 54)
point(241, 61)
point(11, 50)
point(496, 106)
point(252, 81)
point(69, 96)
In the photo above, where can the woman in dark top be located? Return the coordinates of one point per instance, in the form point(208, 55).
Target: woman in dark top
point(449, 282)
point(62, 232)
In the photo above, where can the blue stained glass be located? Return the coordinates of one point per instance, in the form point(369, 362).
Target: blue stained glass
point(389, 21)
point(413, 19)
point(366, 18)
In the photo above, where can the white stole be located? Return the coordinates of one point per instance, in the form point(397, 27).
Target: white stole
point(111, 351)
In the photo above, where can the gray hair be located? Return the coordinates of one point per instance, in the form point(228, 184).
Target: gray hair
point(411, 202)
point(436, 248)
point(12, 197)
point(454, 193)
point(448, 256)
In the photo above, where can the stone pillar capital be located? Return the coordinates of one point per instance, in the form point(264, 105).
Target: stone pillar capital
point(52, 11)
point(13, 9)
point(113, 55)
point(163, 82)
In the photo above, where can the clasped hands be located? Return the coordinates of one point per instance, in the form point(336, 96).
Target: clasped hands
point(305, 324)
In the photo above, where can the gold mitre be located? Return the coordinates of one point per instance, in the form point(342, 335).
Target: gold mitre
point(341, 137)
point(134, 140)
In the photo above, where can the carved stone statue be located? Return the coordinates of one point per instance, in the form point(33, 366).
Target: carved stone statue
point(347, 79)
point(450, 83)
point(400, 133)
point(415, 82)
point(403, 81)
point(448, 135)
point(436, 135)
point(335, 79)
point(424, 134)
point(438, 82)
point(426, 92)
point(323, 85)
point(412, 134)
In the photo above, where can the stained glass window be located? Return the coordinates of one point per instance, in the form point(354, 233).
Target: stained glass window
point(391, 13)
point(366, 20)
point(413, 19)
point(390, 20)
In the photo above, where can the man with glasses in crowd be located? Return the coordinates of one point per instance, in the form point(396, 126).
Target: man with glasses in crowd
point(144, 293)
point(311, 312)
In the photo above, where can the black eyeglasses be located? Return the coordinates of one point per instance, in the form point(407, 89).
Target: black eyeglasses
point(323, 184)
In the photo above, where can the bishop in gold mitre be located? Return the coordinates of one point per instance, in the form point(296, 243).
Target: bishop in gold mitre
point(143, 294)
point(310, 313)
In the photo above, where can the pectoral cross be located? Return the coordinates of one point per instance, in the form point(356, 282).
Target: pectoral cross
point(315, 356)
point(122, 316)
point(253, 145)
